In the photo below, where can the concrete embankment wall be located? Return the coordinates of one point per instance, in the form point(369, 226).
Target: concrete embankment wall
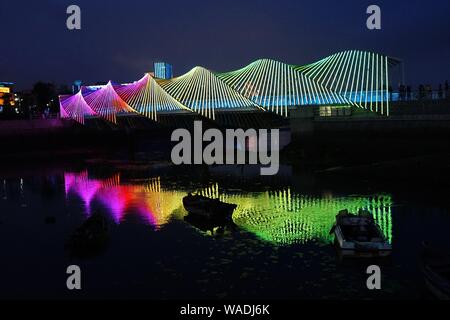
point(392, 125)
point(429, 118)
point(51, 138)
point(364, 138)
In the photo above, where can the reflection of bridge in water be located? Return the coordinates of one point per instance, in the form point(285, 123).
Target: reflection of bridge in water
point(156, 206)
point(285, 217)
point(279, 216)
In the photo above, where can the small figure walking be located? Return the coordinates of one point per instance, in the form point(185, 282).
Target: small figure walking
point(447, 94)
point(440, 92)
point(421, 92)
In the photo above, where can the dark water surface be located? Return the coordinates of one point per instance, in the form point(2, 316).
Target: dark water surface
point(280, 246)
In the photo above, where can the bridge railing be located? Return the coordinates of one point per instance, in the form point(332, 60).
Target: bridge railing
point(419, 95)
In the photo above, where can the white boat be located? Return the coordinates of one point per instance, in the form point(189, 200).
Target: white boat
point(359, 235)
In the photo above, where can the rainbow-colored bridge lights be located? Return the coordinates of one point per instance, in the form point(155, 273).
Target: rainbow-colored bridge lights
point(351, 78)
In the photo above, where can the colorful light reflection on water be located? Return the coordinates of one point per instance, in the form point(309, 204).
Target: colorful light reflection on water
point(281, 216)
point(154, 205)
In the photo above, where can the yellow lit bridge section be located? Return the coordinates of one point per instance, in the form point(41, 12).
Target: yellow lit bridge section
point(148, 98)
point(203, 92)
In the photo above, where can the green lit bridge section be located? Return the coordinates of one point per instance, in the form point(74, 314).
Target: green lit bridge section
point(359, 77)
point(276, 86)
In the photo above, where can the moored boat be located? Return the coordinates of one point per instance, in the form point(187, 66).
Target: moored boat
point(358, 235)
point(89, 239)
point(207, 207)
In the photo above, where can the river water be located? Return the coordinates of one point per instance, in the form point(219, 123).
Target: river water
point(278, 247)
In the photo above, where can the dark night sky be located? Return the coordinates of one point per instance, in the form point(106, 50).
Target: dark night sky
point(120, 39)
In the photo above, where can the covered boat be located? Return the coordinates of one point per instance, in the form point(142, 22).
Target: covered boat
point(359, 235)
point(207, 207)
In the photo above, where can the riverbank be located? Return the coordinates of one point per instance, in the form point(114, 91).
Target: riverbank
point(332, 146)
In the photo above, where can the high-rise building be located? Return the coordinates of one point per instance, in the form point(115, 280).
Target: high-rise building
point(76, 86)
point(163, 70)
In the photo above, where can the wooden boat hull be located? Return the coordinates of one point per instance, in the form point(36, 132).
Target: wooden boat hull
point(213, 226)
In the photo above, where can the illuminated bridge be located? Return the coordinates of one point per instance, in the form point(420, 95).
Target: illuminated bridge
point(349, 78)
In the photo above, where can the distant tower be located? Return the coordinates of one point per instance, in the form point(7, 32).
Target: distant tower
point(76, 86)
point(163, 70)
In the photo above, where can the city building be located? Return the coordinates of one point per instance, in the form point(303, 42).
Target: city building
point(76, 86)
point(163, 70)
point(7, 97)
